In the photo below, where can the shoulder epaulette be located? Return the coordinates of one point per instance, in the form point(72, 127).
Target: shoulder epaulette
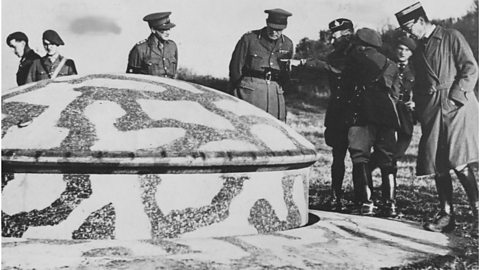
point(141, 41)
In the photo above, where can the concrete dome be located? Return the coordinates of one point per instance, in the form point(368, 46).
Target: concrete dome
point(140, 157)
point(135, 123)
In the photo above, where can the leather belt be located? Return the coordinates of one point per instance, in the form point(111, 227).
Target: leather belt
point(265, 75)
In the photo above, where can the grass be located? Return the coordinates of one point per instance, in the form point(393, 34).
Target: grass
point(416, 196)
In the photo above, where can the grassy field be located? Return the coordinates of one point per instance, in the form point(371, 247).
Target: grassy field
point(416, 196)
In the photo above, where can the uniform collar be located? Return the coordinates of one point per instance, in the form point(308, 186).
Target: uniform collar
point(430, 31)
point(263, 33)
point(153, 40)
point(26, 54)
point(437, 32)
point(46, 59)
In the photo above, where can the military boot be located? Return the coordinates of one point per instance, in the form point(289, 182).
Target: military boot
point(389, 187)
point(336, 203)
point(444, 220)
point(363, 193)
point(470, 185)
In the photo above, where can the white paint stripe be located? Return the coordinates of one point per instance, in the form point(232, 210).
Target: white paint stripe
point(273, 138)
point(42, 132)
point(121, 84)
point(184, 111)
point(109, 138)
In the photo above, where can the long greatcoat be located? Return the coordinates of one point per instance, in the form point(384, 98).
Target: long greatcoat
point(446, 71)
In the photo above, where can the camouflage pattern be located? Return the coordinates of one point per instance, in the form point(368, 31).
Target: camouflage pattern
point(134, 156)
point(330, 241)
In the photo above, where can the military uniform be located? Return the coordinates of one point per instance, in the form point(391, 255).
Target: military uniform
point(447, 109)
point(257, 73)
point(405, 115)
point(25, 63)
point(336, 117)
point(43, 68)
point(374, 118)
point(156, 55)
point(153, 57)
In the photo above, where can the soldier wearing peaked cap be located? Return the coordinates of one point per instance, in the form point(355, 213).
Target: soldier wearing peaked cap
point(374, 84)
point(157, 55)
point(258, 67)
point(52, 64)
point(447, 109)
point(336, 120)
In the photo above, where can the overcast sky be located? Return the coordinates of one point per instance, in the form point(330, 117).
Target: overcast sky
point(98, 34)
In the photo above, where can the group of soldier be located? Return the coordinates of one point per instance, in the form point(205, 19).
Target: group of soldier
point(374, 101)
point(34, 68)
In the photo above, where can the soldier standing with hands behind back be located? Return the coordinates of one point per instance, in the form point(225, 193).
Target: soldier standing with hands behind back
point(256, 68)
point(157, 55)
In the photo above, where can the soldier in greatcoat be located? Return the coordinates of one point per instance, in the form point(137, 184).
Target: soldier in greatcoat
point(158, 54)
point(53, 64)
point(18, 41)
point(447, 109)
point(258, 67)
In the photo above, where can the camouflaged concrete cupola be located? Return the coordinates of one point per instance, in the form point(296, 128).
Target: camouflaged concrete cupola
point(133, 156)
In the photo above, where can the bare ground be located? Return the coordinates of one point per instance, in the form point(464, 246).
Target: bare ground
point(416, 196)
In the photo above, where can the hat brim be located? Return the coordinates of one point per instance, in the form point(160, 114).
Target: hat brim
point(277, 26)
point(165, 26)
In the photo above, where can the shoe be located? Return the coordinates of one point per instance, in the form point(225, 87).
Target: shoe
point(442, 222)
point(335, 204)
point(368, 209)
point(390, 210)
point(338, 206)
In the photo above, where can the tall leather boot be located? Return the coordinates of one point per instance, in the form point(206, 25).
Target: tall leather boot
point(444, 220)
point(470, 184)
point(338, 173)
point(361, 185)
point(389, 188)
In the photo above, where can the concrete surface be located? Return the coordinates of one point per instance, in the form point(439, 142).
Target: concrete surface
point(330, 241)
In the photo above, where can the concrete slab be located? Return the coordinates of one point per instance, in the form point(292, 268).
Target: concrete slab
point(331, 241)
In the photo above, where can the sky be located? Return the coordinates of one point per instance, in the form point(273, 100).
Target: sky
point(99, 34)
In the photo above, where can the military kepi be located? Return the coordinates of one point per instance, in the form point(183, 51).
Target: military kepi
point(159, 20)
point(52, 37)
point(277, 18)
point(409, 13)
point(340, 24)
